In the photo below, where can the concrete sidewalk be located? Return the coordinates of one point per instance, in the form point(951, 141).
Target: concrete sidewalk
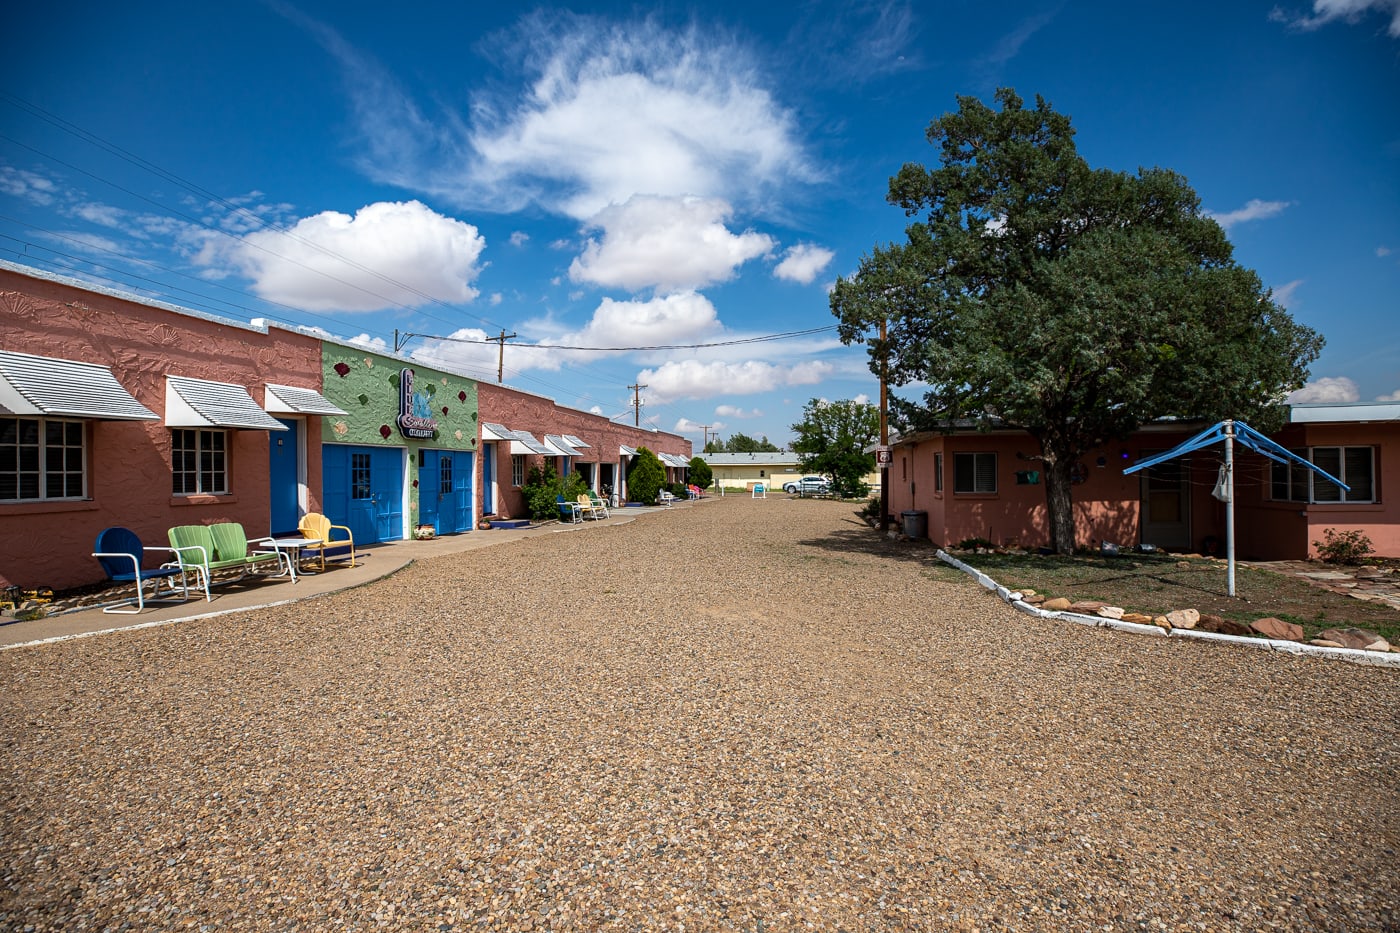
point(254, 592)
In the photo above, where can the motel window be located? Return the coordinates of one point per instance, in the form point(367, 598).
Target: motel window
point(198, 461)
point(938, 472)
point(975, 473)
point(42, 458)
point(1289, 481)
point(517, 469)
point(1354, 466)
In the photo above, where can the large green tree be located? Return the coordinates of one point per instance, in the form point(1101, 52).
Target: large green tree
point(741, 443)
point(1074, 303)
point(831, 439)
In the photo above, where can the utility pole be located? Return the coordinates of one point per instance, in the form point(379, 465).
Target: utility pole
point(884, 430)
point(501, 354)
point(706, 429)
point(637, 404)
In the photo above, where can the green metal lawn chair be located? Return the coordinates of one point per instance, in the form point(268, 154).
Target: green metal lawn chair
point(219, 547)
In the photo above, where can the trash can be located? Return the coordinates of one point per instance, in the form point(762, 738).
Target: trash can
point(915, 523)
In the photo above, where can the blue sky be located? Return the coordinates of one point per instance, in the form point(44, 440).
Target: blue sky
point(604, 176)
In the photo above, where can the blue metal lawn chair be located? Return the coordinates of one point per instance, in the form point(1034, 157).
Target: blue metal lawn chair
point(122, 557)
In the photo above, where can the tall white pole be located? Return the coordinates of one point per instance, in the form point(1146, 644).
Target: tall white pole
point(1230, 505)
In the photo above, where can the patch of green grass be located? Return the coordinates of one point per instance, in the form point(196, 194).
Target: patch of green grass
point(1155, 584)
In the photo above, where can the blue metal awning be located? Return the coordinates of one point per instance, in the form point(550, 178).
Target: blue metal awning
point(1245, 435)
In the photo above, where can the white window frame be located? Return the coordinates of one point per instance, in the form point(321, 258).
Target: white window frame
point(204, 479)
point(517, 470)
point(42, 470)
point(979, 473)
point(1303, 485)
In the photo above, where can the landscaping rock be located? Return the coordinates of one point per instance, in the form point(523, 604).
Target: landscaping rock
point(1034, 599)
point(1221, 625)
point(1183, 618)
point(1138, 617)
point(1086, 606)
point(1270, 627)
point(1111, 612)
point(1356, 638)
point(1325, 643)
point(1058, 604)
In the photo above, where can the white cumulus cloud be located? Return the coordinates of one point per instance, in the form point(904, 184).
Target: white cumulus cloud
point(1392, 397)
point(389, 254)
point(684, 317)
point(803, 263)
point(731, 411)
point(1254, 209)
point(666, 243)
point(696, 380)
point(1328, 389)
point(618, 109)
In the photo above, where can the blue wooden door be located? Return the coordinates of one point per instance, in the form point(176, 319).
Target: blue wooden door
point(463, 473)
point(445, 491)
point(428, 497)
point(488, 479)
point(363, 490)
point(284, 474)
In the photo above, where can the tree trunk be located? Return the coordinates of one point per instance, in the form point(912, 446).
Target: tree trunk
point(1059, 502)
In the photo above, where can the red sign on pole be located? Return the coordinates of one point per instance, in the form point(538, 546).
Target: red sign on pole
point(883, 455)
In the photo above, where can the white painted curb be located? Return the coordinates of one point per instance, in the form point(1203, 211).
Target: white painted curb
point(1354, 655)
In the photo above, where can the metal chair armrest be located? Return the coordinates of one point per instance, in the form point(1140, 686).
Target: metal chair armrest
point(135, 564)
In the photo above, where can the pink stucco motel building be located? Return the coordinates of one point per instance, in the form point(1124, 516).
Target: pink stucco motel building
point(116, 410)
point(984, 485)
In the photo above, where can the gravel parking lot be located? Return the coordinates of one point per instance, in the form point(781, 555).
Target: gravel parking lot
point(740, 715)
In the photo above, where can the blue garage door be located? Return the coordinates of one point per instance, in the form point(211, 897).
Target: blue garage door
point(363, 490)
point(445, 491)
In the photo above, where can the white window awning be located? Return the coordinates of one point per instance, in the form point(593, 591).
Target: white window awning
point(575, 442)
point(626, 451)
point(199, 403)
point(297, 401)
point(490, 431)
point(45, 385)
point(560, 444)
point(525, 443)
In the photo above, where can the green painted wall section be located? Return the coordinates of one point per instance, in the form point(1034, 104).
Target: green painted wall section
point(367, 384)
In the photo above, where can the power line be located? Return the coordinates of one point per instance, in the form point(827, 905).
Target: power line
point(673, 346)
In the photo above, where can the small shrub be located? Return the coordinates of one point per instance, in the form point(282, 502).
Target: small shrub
point(645, 477)
point(972, 544)
point(871, 509)
point(541, 489)
point(1343, 547)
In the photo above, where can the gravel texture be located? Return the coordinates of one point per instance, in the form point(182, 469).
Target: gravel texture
point(741, 715)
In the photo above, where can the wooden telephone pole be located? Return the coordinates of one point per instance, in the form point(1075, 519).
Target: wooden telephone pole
point(637, 403)
point(501, 354)
point(884, 429)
